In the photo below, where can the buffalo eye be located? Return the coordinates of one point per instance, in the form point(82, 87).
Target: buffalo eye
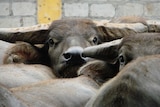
point(95, 40)
point(51, 42)
point(121, 60)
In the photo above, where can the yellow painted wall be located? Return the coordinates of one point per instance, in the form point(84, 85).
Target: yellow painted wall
point(48, 10)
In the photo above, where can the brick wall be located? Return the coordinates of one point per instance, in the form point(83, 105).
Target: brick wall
point(17, 13)
point(107, 9)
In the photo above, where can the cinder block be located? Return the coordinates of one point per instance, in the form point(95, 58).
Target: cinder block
point(23, 8)
point(29, 21)
point(4, 9)
point(76, 9)
point(130, 9)
point(152, 9)
point(24, 0)
point(82, 1)
point(102, 10)
point(5, 1)
point(113, 1)
point(10, 22)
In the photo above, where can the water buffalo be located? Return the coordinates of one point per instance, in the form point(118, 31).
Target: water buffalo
point(137, 83)
point(22, 52)
point(116, 54)
point(25, 85)
point(106, 67)
point(64, 43)
point(35, 85)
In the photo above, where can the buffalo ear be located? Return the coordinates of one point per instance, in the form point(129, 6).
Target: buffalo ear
point(107, 51)
point(35, 34)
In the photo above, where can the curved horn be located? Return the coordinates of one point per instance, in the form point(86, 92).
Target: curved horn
point(34, 34)
point(107, 51)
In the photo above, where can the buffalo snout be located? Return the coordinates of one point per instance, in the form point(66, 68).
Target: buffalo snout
point(73, 55)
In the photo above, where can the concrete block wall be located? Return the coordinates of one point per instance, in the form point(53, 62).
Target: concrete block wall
point(108, 9)
point(18, 13)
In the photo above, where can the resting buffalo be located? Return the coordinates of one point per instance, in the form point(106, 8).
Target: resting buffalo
point(64, 43)
point(137, 82)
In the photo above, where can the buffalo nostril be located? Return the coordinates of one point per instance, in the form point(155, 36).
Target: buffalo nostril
point(82, 55)
point(67, 56)
point(73, 55)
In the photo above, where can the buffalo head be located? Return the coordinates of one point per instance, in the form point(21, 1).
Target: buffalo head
point(117, 53)
point(126, 49)
point(64, 42)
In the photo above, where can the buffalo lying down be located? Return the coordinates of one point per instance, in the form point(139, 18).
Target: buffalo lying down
point(137, 83)
point(65, 40)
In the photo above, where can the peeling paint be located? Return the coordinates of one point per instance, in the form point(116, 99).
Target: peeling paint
point(48, 10)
